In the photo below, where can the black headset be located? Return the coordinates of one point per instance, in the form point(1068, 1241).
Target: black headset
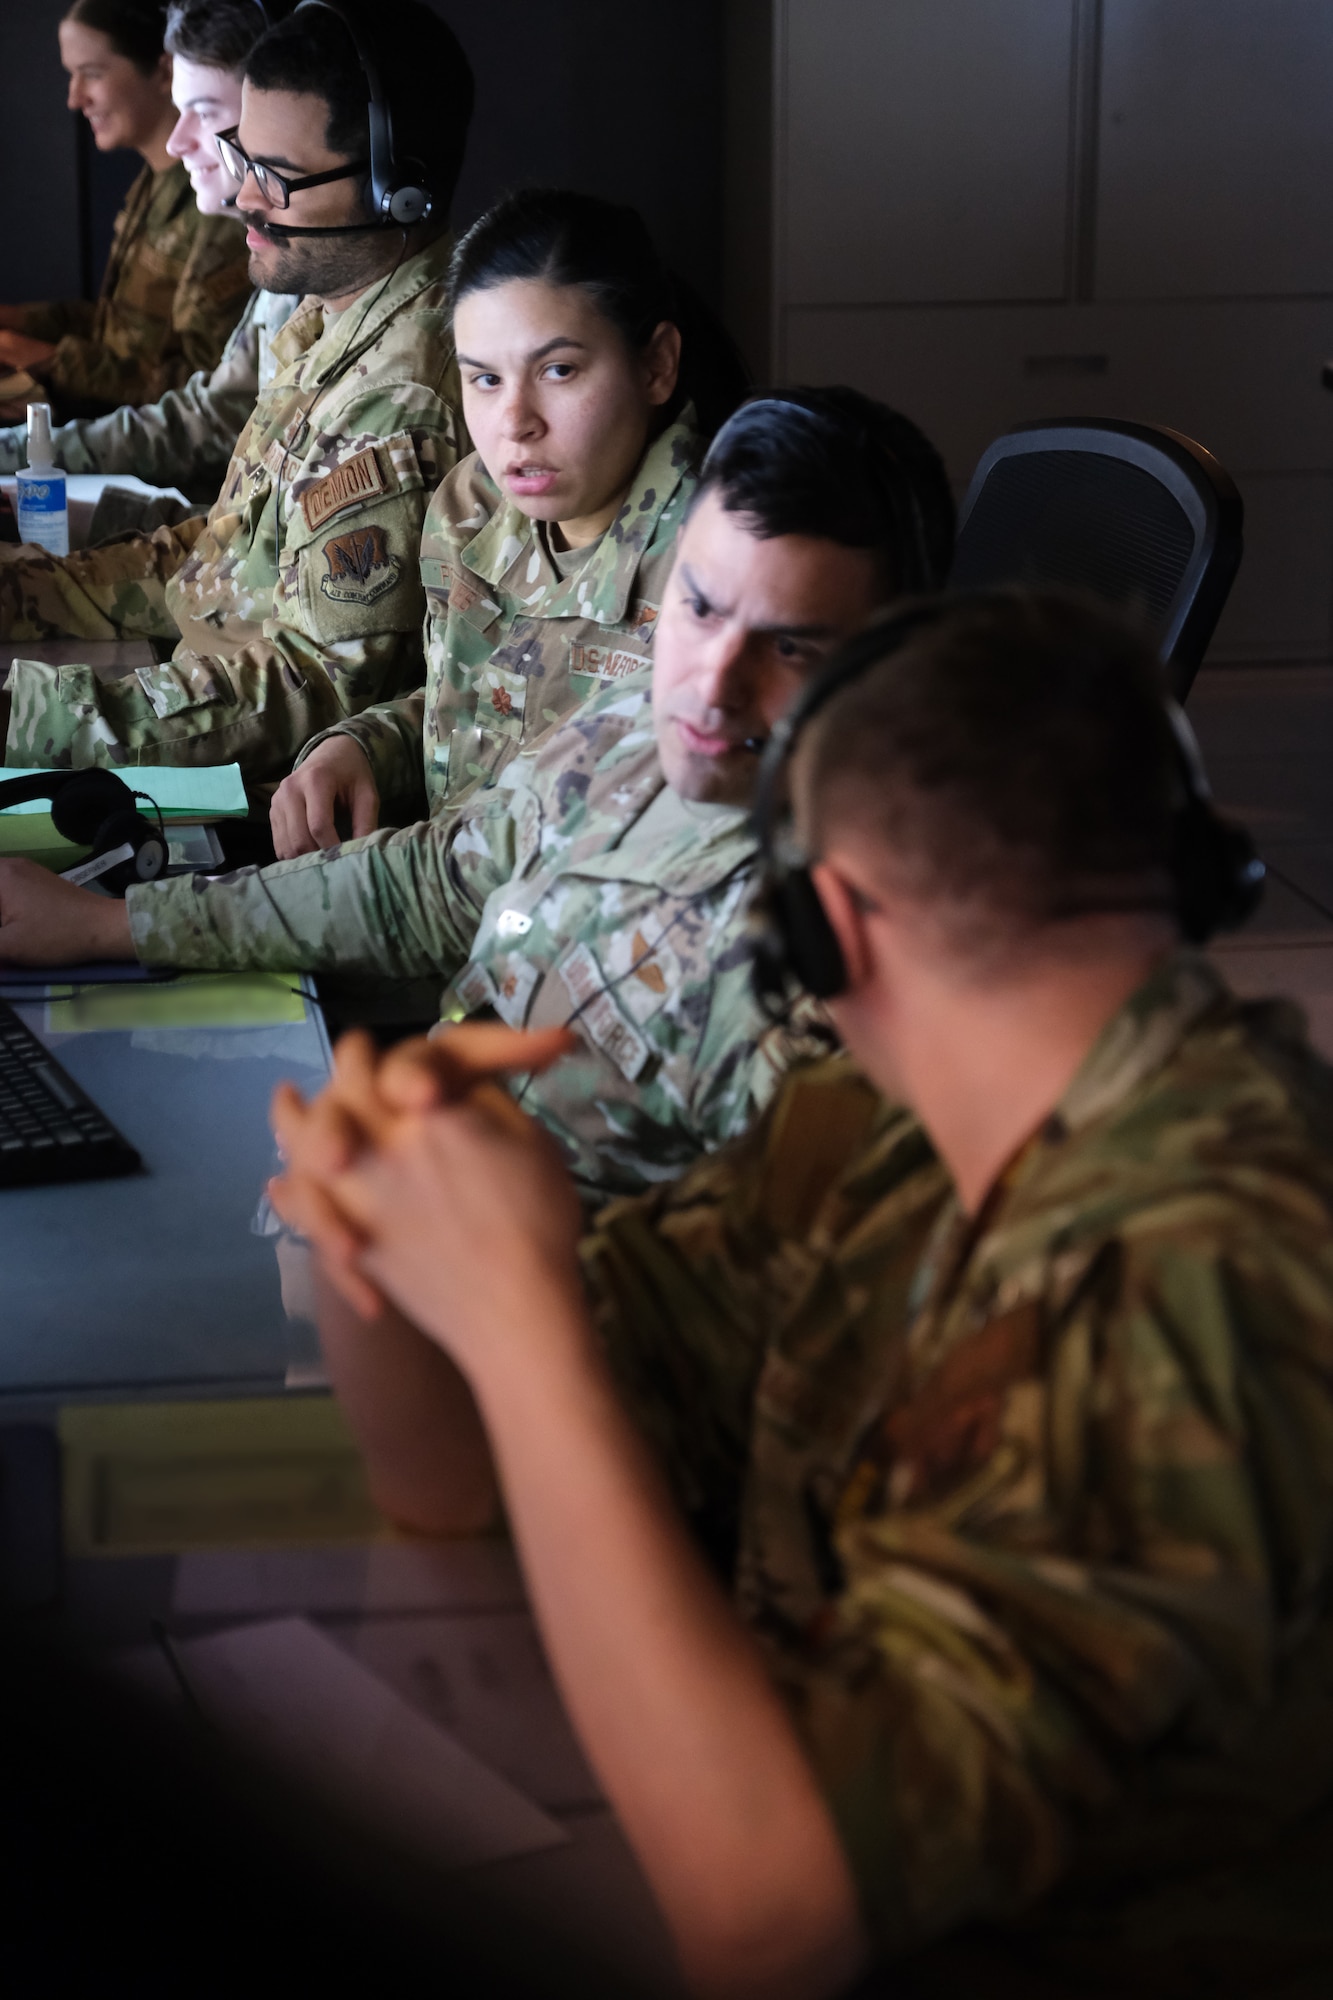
point(96, 809)
point(1217, 874)
point(398, 197)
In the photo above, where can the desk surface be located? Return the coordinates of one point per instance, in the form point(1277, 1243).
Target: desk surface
point(162, 1280)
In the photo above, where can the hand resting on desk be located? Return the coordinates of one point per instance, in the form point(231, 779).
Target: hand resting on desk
point(44, 921)
point(335, 776)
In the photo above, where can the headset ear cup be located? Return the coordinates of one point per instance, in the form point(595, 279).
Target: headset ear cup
point(83, 802)
point(812, 951)
point(408, 205)
point(131, 829)
point(1219, 876)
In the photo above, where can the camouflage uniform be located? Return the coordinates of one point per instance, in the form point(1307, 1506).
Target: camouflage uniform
point(516, 638)
point(580, 889)
point(276, 641)
point(1031, 1511)
point(187, 437)
point(175, 285)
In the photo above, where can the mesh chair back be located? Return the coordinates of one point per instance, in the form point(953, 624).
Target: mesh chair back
point(1139, 515)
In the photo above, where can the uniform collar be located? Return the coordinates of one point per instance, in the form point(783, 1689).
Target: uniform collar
point(1141, 1038)
point(357, 328)
point(508, 553)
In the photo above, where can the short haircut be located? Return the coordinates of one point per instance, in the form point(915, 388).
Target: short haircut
point(604, 248)
point(134, 28)
point(838, 466)
point(423, 72)
point(1011, 765)
point(217, 34)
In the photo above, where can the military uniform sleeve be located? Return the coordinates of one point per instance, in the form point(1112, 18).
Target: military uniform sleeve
point(343, 629)
point(176, 302)
point(185, 439)
point(396, 905)
point(1098, 1528)
point(58, 319)
point(112, 592)
point(389, 733)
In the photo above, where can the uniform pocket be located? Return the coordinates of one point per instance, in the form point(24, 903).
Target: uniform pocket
point(184, 683)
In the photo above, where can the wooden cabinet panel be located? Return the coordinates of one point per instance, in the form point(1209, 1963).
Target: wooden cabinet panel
point(1244, 379)
point(1215, 169)
point(924, 149)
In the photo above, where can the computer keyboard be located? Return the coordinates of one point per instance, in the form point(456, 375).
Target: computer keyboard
point(49, 1130)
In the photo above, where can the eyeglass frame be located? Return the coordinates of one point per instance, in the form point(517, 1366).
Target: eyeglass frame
point(227, 143)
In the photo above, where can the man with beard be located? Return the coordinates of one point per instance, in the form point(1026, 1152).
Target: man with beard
point(298, 601)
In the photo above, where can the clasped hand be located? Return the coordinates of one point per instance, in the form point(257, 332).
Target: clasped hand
point(420, 1182)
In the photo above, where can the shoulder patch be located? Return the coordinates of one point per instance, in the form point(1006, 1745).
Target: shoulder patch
point(360, 479)
point(359, 566)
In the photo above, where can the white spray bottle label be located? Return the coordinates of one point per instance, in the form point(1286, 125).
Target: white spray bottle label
point(43, 508)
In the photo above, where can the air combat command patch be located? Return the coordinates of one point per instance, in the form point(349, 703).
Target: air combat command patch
point(360, 568)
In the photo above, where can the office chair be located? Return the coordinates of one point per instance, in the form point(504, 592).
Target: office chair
point(1137, 514)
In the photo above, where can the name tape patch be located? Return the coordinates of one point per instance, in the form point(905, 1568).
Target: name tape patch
point(609, 663)
point(348, 485)
point(599, 1016)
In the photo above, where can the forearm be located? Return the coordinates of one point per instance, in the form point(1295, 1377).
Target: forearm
point(666, 1689)
point(384, 907)
point(185, 439)
point(53, 319)
point(414, 1417)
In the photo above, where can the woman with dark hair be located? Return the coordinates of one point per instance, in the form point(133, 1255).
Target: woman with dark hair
point(176, 281)
point(584, 370)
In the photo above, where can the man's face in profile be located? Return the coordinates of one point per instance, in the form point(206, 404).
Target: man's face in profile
point(745, 621)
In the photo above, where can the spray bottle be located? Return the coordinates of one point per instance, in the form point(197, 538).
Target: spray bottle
point(43, 508)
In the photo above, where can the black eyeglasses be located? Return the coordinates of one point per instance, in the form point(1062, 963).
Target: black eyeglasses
point(277, 189)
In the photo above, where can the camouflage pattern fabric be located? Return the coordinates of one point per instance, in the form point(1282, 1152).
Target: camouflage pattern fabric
point(1031, 1511)
point(282, 629)
point(187, 437)
point(579, 889)
point(175, 285)
point(512, 644)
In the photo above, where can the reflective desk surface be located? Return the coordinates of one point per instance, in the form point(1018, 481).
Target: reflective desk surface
point(164, 1280)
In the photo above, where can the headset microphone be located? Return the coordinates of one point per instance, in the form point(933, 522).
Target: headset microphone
point(755, 743)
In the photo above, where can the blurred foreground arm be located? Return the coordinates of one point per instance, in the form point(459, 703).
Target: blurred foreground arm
point(470, 1224)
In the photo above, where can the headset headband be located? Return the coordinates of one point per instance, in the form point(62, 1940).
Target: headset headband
point(404, 202)
point(1217, 875)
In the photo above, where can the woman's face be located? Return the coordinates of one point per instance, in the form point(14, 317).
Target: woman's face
point(558, 406)
point(123, 106)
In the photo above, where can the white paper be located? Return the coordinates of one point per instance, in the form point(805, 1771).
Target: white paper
point(474, 1575)
point(288, 1690)
point(484, 1677)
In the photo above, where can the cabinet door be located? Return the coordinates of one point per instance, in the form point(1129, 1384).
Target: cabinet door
point(1215, 170)
point(924, 149)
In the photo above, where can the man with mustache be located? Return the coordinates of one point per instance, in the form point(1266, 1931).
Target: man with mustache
point(299, 600)
point(602, 882)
